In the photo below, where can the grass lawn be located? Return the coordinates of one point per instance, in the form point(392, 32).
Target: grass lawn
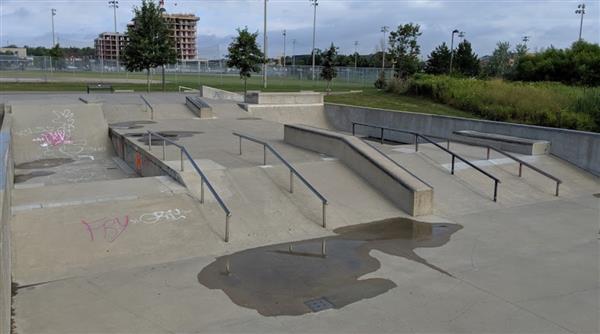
point(377, 99)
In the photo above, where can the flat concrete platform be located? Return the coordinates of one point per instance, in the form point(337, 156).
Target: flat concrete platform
point(123, 254)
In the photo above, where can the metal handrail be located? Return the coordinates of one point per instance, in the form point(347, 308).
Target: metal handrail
point(418, 135)
point(288, 165)
point(488, 147)
point(203, 178)
point(149, 106)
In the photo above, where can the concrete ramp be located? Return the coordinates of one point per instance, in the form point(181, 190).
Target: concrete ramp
point(401, 187)
point(72, 131)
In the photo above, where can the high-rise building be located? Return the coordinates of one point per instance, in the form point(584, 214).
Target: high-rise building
point(183, 31)
point(106, 45)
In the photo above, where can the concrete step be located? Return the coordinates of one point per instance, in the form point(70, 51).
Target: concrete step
point(74, 194)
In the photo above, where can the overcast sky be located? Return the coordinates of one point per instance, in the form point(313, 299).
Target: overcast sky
point(485, 22)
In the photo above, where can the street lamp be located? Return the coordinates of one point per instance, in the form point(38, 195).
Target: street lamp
point(314, 3)
point(284, 42)
point(580, 10)
point(460, 34)
point(294, 53)
point(265, 49)
point(53, 11)
point(526, 39)
point(384, 30)
point(355, 54)
point(115, 4)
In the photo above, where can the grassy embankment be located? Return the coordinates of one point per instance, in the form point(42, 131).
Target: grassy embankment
point(545, 104)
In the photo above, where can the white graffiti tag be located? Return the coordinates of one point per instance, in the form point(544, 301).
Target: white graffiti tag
point(171, 215)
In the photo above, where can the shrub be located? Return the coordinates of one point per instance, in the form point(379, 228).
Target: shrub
point(380, 83)
point(546, 104)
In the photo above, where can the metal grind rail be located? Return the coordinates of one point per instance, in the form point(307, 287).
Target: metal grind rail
point(203, 178)
point(487, 147)
point(417, 136)
point(267, 146)
point(149, 106)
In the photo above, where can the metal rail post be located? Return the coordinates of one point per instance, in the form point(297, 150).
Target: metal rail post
point(240, 145)
point(201, 190)
point(149, 141)
point(291, 182)
point(452, 172)
point(520, 169)
point(495, 190)
point(416, 142)
point(557, 185)
point(488, 153)
point(164, 149)
point(227, 227)
point(264, 155)
point(381, 136)
point(181, 152)
point(324, 214)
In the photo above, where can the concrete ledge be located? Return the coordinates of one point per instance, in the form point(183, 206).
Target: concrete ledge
point(399, 186)
point(219, 94)
point(503, 142)
point(6, 184)
point(302, 97)
point(199, 107)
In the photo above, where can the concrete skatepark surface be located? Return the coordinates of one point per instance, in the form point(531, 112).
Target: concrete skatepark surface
point(98, 250)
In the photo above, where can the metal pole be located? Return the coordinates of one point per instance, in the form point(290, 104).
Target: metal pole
point(455, 31)
point(294, 53)
point(115, 4)
point(149, 141)
point(452, 172)
point(264, 155)
point(353, 125)
point(323, 248)
point(181, 158)
point(355, 55)
point(227, 227)
point(381, 136)
point(291, 182)
point(164, 149)
point(520, 169)
point(416, 143)
point(265, 48)
point(580, 10)
point(324, 214)
point(384, 30)
point(495, 190)
point(557, 185)
point(201, 190)
point(284, 42)
point(488, 153)
point(240, 145)
point(53, 12)
point(315, 4)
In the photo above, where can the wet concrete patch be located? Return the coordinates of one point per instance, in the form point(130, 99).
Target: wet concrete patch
point(597, 195)
point(19, 178)
point(44, 163)
point(130, 124)
point(312, 275)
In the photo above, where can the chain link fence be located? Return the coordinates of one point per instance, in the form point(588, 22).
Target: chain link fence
point(47, 68)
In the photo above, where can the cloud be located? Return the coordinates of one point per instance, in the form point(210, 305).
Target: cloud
point(548, 22)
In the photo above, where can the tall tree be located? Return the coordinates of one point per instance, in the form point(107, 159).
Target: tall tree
point(150, 44)
point(404, 49)
point(500, 60)
point(245, 55)
point(328, 71)
point(439, 60)
point(466, 60)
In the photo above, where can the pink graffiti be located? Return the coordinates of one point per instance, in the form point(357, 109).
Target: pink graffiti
point(53, 138)
point(110, 227)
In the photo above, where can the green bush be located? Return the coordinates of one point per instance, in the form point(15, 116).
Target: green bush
point(545, 104)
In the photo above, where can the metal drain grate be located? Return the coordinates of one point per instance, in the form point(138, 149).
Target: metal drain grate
point(318, 304)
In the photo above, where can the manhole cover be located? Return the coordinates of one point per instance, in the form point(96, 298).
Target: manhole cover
point(318, 304)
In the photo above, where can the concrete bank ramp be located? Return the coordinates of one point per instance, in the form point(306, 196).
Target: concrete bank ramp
point(73, 131)
point(400, 186)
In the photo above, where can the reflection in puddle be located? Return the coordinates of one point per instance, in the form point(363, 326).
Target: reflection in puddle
point(300, 277)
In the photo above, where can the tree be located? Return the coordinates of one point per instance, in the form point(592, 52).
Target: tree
point(245, 55)
point(467, 62)
point(404, 49)
point(328, 71)
point(57, 56)
point(439, 60)
point(499, 62)
point(150, 44)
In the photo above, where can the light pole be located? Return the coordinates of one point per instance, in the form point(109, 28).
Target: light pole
point(580, 10)
point(115, 4)
point(355, 54)
point(265, 49)
point(455, 31)
point(384, 30)
point(525, 40)
point(314, 3)
point(284, 42)
point(294, 53)
point(53, 11)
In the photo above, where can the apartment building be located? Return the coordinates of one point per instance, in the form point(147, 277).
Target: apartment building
point(106, 45)
point(183, 31)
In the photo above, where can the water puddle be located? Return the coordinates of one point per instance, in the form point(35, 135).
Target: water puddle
point(44, 163)
point(19, 178)
point(597, 195)
point(311, 275)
